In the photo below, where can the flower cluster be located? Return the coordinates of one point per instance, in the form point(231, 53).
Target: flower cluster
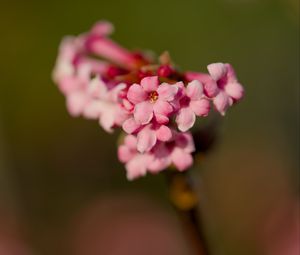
point(155, 104)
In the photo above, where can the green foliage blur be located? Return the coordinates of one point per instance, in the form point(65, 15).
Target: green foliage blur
point(52, 165)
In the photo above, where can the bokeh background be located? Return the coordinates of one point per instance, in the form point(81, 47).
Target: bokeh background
point(62, 190)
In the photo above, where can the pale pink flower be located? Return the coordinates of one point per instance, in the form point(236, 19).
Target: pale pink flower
point(71, 59)
point(135, 163)
point(104, 104)
point(72, 73)
point(177, 151)
point(210, 87)
point(230, 90)
point(152, 100)
point(147, 135)
point(192, 103)
point(75, 90)
point(64, 65)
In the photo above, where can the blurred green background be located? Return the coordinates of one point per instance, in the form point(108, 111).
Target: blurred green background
point(54, 167)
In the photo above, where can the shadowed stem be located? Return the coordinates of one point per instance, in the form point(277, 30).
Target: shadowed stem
point(185, 200)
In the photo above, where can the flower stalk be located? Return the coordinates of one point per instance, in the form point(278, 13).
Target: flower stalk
point(185, 200)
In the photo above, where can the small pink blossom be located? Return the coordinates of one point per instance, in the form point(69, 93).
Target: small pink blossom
point(192, 103)
point(71, 60)
point(135, 163)
point(103, 104)
point(230, 90)
point(148, 135)
point(152, 100)
point(74, 88)
point(210, 87)
point(177, 151)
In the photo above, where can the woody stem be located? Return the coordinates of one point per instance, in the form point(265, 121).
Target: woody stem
point(185, 201)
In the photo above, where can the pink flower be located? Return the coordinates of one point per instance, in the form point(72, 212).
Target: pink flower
point(230, 90)
point(192, 103)
point(71, 60)
point(74, 88)
point(64, 63)
point(104, 104)
point(72, 73)
point(135, 163)
point(176, 151)
point(148, 135)
point(210, 87)
point(152, 100)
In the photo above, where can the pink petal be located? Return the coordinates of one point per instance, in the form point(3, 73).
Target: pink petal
point(143, 112)
point(200, 107)
point(185, 119)
point(127, 105)
point(114, 92)
point(97, 88)
point(194, 90)
point(107, 120)
point(84, 72)
point(181, 159)
point(163, 133)
point(159, 164)
point(231, 76)
point(202, 77)
point(185, 142)
point(93, 109)
point(130, 126)
point(75, 103)
point(146, 139)
point(97, 66)
point(162, 107)
point(162, 110)
point(221, 102)
point(167, 92)
point(102, 28)
point(136, 167)
point(124, 154)
point(110, 50)
point(234, 90)
point(210, 85)
point(120, 114)
point(130, 141)
point(136, 94)
point(217, 70)
point(211, 88)
point(150, 83)
point(68, 84)
point(161, 119)
point(160, 159)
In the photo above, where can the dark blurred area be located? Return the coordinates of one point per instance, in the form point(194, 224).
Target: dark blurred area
point(62, 189)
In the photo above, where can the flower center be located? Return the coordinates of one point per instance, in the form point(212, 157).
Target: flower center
point(153, 96)
point(185, 101)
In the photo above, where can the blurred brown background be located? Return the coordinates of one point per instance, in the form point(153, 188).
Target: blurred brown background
point(62, 190)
